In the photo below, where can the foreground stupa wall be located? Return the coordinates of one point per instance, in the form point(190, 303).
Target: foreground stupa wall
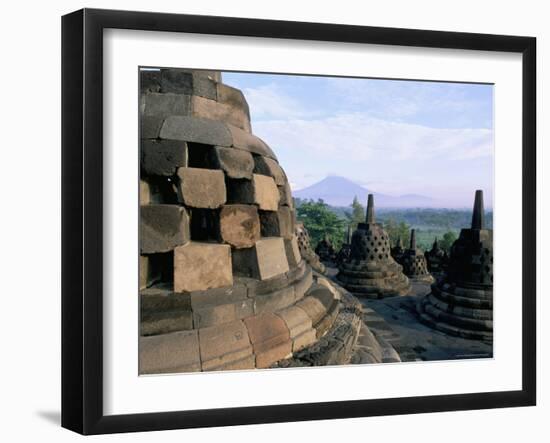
point(222, 282)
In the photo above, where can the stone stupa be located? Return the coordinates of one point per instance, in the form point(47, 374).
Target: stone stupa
point(437, 259)
point(222, 282)
point(344, 253)
point(461, 303)
point(325, 250)
point(371, 271)
point(304, 245)
point(414, 263)
point(397, 251)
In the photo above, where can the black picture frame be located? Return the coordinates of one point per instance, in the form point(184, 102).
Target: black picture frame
point(82, 219)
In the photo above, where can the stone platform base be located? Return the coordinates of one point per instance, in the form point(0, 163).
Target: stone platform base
point(337, 344)
point(427, 278)
point(433, 316)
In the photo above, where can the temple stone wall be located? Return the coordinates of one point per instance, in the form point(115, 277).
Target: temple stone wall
point(222, 281)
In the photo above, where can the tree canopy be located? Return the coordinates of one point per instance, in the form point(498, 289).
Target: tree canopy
point(319, 220)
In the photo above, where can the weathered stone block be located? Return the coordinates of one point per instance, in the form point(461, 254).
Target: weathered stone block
point(163, 157)
point(243, 140)
point(144, 193)
point(222, 313)
point(150, 126)
point(292, 252)
point(234, 98)
point(313, 308)
point(274, 301)
point(202, 188)
point(189, 81)
point(240, 225)
point(304, 340)
point(197, 130)
point(218, 296)
point(161, 298)
point(147, 273)
point(286, 222)
point(165, 105)
point(323, 294)
point(235, 163)
point(303, 285)
point(266, 194)
point(155, 323)
point(157, 190)
point(211, 109)
point(268, 166)
point(271, 257)
point(149, 81)
point(162, 228)
point(175, 352)
point(296, 320)
point(269, 337)
point(176, 81)
point(201, 266)
point(285, 195)
point(261, 190)
point(223, 345)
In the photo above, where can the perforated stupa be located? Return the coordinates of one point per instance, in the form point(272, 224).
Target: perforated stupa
point(461, 303)
point(371, 271)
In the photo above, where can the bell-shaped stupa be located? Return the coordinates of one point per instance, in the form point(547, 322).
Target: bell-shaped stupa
point(397, 251)
point(306, 251)
point(437, 259)
point(345, 251)
point(222, 282)
point(325, 250)
point(461, 303)
point(414, 263)
point(371, 271)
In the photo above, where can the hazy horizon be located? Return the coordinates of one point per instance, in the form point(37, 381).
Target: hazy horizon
point(393, 137)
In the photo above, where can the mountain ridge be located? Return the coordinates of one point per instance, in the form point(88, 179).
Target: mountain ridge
point(340, 191)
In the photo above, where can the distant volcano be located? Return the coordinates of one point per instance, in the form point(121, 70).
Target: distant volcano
point(339, 191)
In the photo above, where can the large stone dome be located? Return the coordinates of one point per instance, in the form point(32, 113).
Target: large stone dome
point(222, 282)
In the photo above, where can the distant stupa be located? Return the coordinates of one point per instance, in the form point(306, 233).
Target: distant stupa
point(371, 271)
point(461, 303)
point(437, 259)
point(414, 263)
point(344, 253)
point(397, 251)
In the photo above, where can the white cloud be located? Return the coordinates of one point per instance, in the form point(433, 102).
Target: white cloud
point(361, 137)
point(269, 102)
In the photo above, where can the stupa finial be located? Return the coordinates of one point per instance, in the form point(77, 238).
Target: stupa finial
point(350, 233)
point(478, 217)
point(399, 242)
point(370, 209)
point(413, 239)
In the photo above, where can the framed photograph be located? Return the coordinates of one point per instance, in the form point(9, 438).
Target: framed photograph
point(269, 221)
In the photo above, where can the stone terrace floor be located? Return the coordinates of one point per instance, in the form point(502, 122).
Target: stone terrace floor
point(394, 320)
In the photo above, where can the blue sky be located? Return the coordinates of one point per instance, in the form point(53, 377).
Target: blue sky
point(390, 136)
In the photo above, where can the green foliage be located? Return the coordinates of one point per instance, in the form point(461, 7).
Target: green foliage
point(428, 222)
point(447, 241)
point(319, 220)
point(397, 229)
point(357, 214)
